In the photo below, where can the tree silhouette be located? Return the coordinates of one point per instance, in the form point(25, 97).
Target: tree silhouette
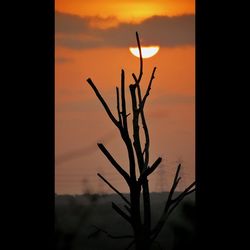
point(138, 154)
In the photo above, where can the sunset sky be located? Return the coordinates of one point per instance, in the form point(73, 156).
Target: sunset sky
point(92, 39)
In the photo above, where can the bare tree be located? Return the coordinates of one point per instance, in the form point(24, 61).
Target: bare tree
point(138, 154)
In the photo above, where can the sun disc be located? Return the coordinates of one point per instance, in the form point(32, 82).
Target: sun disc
point(147, 52)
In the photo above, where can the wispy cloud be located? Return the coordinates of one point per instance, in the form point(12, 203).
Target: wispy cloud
point(82, 32)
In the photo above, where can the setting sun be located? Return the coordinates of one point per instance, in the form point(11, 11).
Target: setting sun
point(147, 52)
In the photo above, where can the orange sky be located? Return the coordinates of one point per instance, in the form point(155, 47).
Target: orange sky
point(80, 120)
point(126, 10)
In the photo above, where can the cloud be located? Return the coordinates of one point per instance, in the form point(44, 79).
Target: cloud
point(79, 32)
point(67, 23)
point(62, 60)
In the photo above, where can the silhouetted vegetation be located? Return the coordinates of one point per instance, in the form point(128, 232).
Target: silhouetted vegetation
point(144, 233)
point(77, 217)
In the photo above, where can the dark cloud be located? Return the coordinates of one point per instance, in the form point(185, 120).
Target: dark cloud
point(67, 23)
point(62, 60)
point(76, 32)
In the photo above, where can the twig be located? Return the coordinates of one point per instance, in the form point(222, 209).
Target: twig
point(177, 202)
point(118, 106)
point(171, 204)
point(165, 215)
point(148, 90)
point(108, 234)
point(120, 212)
point(174, 185)
point(141, 61)
point(186, 191)
point(130, 245)
point(113, 188)
point(123, 98)
point(149, 170)
point(128, 208)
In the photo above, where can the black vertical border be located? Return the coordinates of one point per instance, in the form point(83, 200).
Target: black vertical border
point(30, 132)
point(221, 121)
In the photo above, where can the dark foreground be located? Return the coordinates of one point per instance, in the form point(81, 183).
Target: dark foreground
point(76, 218)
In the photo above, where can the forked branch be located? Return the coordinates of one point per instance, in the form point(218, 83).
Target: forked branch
point(149, 170)
point(171, 203)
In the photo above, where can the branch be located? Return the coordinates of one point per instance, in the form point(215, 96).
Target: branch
point(128, 208)
point(118, 105)
point(132, 88)
point(120, 212)
point(171, 202)
point(141, 61)
point(123, 97)
point(143, 164)
point(136, 128)
point(148, 90)
point(144, 124)
point(113, 188)
point(108, 234)
point(174, 185)
point(146, 148)
point(124, 132)
point(149, 170)
point(176, 202)
point(114, 163)
point(165, 215)
point(130, 245)
point(104, 104)
point(142, 102)
point(186, 191)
